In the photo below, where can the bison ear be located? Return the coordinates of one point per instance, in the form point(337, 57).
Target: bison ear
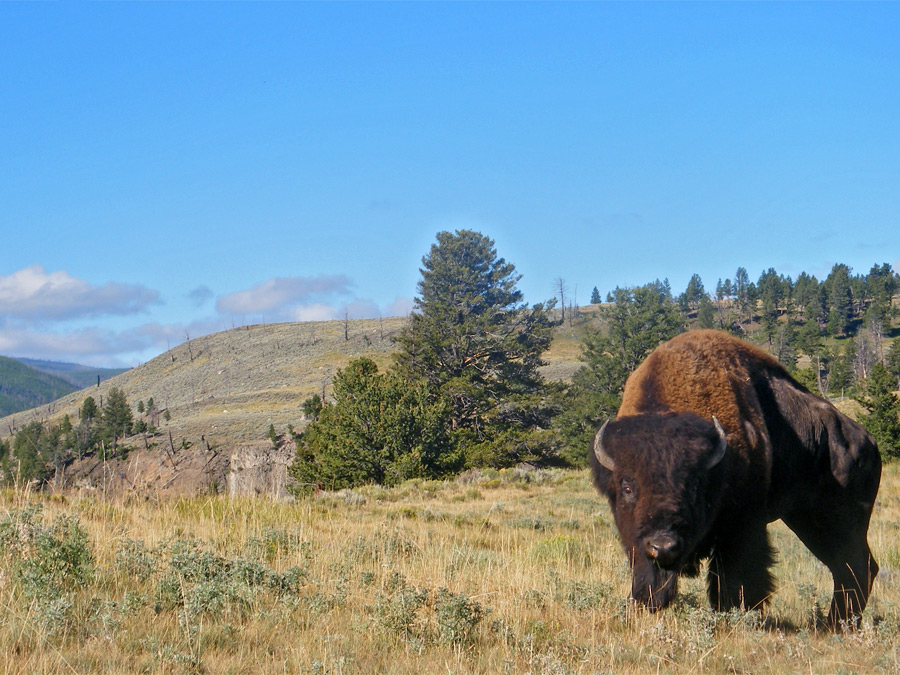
point(719, 452)
point(605, 460)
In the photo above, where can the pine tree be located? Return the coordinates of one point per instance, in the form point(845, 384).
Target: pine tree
point(89, 409)
point(882, 418)
point(742, 292)
point(839, 300)
point(595, 297)
point(693, 293)
point(892, 360)
point(30, 447)
point(881, 285)
point(706, 313)
point(380, 429)
point(637, 321)
point(117, 417)
point(475, 343)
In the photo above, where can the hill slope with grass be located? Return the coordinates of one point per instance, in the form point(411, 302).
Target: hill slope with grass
point(231, 386)
point(219, 394)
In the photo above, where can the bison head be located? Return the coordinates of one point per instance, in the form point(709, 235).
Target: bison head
point(663, 477)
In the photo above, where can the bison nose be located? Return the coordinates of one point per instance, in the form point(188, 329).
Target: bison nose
point(664, 548)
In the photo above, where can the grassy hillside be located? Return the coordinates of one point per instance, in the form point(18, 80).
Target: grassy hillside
point(496, 572)
point(23, 387)
point(229, 387)
point(73, 373)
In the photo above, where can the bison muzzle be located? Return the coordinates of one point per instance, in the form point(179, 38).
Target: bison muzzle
point(713, 441)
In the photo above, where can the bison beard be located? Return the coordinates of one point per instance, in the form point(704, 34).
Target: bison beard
point(713, 441)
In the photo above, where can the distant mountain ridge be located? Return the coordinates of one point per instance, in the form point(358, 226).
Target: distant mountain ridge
point(23, 387)
point(75, 374)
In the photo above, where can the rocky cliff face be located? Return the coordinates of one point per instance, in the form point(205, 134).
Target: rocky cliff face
point(254, 468)
point(259, 468)
point(162, 468)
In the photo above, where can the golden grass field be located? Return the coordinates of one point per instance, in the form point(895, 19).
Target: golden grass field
point(497, 572)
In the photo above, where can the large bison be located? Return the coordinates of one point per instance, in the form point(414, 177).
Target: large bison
point(713, 441)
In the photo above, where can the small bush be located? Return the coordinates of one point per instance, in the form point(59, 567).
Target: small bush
point(457, 617)
point(49, 560)
point(396, 610)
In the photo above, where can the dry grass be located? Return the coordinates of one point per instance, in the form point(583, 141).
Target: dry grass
point(495, 572)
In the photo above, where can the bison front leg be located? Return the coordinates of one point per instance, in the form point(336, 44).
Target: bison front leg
point(738, 575)
point(650, 585)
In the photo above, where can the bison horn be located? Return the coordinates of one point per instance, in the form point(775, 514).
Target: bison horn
point(720, 448)
point(602, 457)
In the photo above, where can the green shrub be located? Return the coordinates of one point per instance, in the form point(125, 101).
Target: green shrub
point(457, 617)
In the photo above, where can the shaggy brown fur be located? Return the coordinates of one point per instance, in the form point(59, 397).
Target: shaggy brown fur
point(790, 455)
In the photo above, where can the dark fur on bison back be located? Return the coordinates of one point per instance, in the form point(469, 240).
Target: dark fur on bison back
point(790, 455)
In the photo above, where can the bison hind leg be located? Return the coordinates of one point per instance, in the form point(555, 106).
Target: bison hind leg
point(844, 548)
point(738, 575)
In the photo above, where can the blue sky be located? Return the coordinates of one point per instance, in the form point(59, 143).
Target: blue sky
point(172, 169)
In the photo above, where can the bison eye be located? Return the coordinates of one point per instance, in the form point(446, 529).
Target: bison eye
point(628, 490)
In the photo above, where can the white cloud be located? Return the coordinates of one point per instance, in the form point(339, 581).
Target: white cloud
point(314, 312)
point(283, 294)
point(90, 346)
point(361, 309)
point(400, 307)
point(33, 293)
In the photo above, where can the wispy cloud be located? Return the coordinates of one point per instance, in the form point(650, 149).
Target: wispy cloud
point(33, 293)
point(314, 312)
point(399, 307)
point(200, 296)
point(99, 346)
point(91, 346)
point(284, 295)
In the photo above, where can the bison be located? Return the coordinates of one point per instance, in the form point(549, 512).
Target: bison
point(713, 441)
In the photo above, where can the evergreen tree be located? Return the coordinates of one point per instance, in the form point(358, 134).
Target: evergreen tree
point(31, 447)
point(840, 371)
point(312, 407)
point(380, 429)
point(116, 416)
point(638, 320)
point(892, 360)
point(772, 291)
point(476, 345)
point(706, 313)
point(882, 418)
point(595, 297)
point(881, 285)
point(806, 296)
point(89, 409)
point(723, 290)
point(742, 292)
point(693, 293)
point(839, 300)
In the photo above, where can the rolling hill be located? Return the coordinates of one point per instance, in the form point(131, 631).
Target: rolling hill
point(223, 391)
point(75, 374)
point(23, 387)
point(230, 386)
